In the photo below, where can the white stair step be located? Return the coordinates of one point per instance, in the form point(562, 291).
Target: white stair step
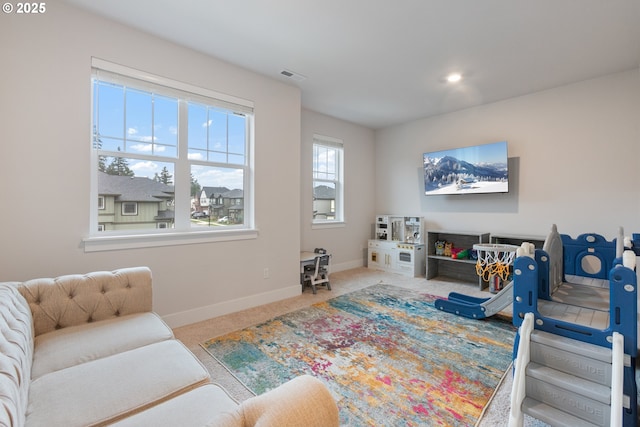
point(572, 346)
point(552, 416)
point(572, 363)
point(575, 404)
point(570, 383)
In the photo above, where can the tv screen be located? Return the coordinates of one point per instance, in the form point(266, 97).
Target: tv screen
point(468, 170)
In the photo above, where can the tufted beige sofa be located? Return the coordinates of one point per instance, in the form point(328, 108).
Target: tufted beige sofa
point(87, 350)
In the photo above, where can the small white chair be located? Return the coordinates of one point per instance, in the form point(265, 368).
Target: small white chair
point(318, 273)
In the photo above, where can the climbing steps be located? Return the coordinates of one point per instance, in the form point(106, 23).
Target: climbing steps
point(568, 382)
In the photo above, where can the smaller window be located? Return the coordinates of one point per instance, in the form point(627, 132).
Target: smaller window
point(100, 202)
point(129, 208)
point(328, 179)
point(163, 225)
point(100, 227)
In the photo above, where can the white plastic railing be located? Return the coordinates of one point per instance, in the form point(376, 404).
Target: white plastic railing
point(518, 392)
point(617, 379)
point(629, 259)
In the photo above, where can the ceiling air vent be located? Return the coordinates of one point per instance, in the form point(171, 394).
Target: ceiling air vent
point(293, 76)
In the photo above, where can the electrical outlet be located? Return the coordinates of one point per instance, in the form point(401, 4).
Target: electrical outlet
point(265, 273)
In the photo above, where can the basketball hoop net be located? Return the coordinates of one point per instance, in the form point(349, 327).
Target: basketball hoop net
point(494, 260)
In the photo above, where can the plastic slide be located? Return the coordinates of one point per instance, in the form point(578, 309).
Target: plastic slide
point(476, 308)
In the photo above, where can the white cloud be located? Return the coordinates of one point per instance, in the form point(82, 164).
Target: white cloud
point(146, 148)
point(145, 168)
point(218, 177)
point(173, 130)
point(195, 156)
point(132, 131)
point(207, 123)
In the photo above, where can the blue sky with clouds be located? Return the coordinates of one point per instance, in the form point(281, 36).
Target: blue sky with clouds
point(146, 124)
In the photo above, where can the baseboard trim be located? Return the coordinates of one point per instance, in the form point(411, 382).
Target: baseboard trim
point(347, 265)
point(199, 314)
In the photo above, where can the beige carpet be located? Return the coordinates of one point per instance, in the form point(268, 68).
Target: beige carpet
point(342, 282)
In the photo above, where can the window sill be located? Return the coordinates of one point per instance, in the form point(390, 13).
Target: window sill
point(119, 242)
point(332, 224)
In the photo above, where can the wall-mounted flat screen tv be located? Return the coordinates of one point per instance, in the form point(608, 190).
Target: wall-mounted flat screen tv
point(468, 170)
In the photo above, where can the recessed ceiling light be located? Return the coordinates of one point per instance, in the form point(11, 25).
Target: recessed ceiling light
point(454, 77)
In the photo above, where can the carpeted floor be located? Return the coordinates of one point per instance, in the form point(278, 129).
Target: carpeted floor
point(342, 283)
point(388, 355)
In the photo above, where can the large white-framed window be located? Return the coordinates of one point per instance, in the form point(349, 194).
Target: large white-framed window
point(328, 180)
point(165, 147)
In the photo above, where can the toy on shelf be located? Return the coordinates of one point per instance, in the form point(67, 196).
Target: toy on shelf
point(460, 253)
point(447, 248)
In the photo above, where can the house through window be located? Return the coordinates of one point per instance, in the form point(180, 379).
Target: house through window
point(159, 145)
point(328, 180)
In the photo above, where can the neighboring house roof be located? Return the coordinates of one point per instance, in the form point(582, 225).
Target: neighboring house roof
point(234, 194)
point(215, 190)
point(323, 192)
point(133, 189)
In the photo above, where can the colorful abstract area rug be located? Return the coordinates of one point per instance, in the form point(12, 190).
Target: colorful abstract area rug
point(389, 357)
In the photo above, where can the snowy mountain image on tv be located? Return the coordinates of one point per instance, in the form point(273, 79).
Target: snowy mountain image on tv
point(477, 169)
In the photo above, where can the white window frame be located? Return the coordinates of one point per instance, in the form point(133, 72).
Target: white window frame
point(182, 233)
point(101, 205)
point(135, 209)
point(337, 145)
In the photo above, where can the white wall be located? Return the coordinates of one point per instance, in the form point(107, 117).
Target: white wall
point(45, 151)
point(574, 157)
point(347, 244)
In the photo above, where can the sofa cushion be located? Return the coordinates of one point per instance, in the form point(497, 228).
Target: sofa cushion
point(16, 353)
point(108, 389)
point(195, 408)
point(75, 299)
point(302, 401)
point(90, 341)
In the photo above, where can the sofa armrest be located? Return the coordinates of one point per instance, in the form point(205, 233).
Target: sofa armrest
point(76, 299)
point(303, 401)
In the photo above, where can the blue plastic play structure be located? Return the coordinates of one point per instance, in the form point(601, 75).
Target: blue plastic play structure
point(575, 364)
point(479, 308)
point(474, 307)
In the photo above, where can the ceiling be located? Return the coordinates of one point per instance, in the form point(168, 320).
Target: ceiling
point(381, 63)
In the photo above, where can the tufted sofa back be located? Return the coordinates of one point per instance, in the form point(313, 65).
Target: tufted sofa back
point(16, 355)
point(76, 299)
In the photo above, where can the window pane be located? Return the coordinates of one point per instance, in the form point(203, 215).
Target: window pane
point(237, 134)
point(217, 131)
point(324, 196)
point(110, 144)
point(109, 119)
point(198, 126)
point(139, 116)
point(136, 194)
point(165, 120)
point(221, 196)
point(216, 135)
point(325, 163)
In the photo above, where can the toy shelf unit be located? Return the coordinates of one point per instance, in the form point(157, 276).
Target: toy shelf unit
point(463, 270)
point(516, 239)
